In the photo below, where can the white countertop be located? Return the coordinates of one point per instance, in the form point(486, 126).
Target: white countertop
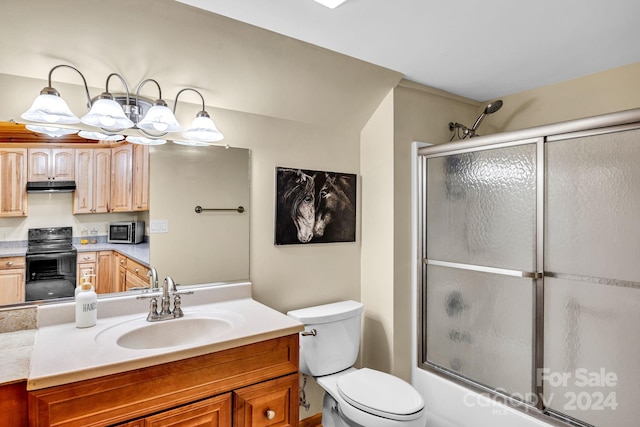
point(64, 354)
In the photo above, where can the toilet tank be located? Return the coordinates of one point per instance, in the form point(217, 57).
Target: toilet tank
point(336, 342)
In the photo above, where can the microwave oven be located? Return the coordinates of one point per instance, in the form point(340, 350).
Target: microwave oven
point(126, 232)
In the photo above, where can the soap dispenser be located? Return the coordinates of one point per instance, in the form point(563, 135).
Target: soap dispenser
point(86, 305)
point(85, 279)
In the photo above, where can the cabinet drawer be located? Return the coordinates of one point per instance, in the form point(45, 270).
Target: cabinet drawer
point(87, 257)
point(12, 262)
point(137, 269)
point(271, 403)
point(132, 280)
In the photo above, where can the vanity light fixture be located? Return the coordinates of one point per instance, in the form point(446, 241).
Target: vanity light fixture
point(332, 4)
point(114, 114)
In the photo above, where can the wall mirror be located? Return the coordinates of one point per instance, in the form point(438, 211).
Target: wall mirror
point(197, 248)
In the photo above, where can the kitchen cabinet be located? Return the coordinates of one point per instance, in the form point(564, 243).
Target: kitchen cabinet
point(13, 404)
point(13, 182)
point(99, 266)
point(122, 178)
point(12, 279)
point(140, 185)
point(131, 274)
point(46, 164)
point(93, 180)
point(261, 378)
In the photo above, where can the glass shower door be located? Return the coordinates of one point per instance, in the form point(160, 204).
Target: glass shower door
point(592, 283)
point(480, 256)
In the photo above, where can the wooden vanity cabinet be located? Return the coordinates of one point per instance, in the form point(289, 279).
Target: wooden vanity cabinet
point(47, 164)
point(13, 182)
point(12, 279)
point(250, 385)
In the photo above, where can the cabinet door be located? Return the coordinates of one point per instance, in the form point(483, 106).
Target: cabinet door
point(271, 403)
point(105, 282)
point(61, 163)
point(121, 178)
point(101, 180)
point(212, 412)
point(140, 177)
point(13, 181)
point(39, 164)
point(83, 196)
point(11, 285)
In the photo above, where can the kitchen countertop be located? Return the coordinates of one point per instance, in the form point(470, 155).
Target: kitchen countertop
point(139, 252)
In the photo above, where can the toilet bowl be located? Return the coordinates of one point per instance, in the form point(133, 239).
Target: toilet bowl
point(353, 397)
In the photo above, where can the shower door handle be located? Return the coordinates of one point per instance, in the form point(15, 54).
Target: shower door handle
point(484, 269)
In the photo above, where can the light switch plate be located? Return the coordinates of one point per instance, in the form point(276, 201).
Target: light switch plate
point(159, 226)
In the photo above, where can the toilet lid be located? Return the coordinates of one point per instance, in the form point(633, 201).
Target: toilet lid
point(380, 394)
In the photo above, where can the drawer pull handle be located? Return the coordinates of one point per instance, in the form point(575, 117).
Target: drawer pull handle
point(9, 263)
point(270, 414)
point(121, 261)
point(86, 257)
point(137, 270)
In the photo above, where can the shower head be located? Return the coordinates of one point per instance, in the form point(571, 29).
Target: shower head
point(491, 108)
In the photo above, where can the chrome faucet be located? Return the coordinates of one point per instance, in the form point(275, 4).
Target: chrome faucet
point(153, 281)
point(169, 288)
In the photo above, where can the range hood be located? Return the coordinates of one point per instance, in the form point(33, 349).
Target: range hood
point(51, 186)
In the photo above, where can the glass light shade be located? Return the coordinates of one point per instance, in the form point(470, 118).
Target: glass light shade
point(107, 113)
point(48, 108)
point(159, 118)
point(332, 4)
point(143, 140)
point(203, 129)
point(51, 130)
point(99, 136)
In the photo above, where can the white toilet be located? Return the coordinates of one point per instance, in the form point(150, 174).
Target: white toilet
point(354, 397)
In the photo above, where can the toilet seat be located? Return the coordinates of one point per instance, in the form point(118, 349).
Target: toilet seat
point(380, 394)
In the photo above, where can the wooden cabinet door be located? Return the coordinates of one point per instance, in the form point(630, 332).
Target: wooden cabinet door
point(101, 180)
point(212, 412)
point(83, 196)
point(13, 181)
point(119, 272)
point(39, 164)
point(271, 403)
point(62, 164)
point(12, 280)
point(104, 264)
point(121, 178)
point(140, 178)
point(93, 180)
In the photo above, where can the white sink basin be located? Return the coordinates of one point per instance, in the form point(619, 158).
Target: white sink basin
point(193, 329)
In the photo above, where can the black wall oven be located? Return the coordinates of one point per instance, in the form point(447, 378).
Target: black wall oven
point(51, 264)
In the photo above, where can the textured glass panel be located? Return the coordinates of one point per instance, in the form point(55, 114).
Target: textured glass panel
point(592, 206)
point(591, 352)
point(480, 326)
point(481, 208)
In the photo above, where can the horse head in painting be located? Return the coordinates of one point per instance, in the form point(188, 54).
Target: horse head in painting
point(335, 206)
point(296, 206)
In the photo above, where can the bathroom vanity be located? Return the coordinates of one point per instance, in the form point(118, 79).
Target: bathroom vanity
point(230, 361)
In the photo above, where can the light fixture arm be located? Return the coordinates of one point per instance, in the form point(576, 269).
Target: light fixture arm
point(175, 103)
point(145, 82)
point(124, 83)
point(50, 90)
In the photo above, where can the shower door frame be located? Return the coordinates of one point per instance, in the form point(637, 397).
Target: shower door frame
point(607, 123)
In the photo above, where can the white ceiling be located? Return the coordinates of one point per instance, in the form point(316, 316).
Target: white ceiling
point(480, 49)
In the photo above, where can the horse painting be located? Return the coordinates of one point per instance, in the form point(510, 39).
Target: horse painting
point(314, 206)
point(295, 211)
point(335, 209)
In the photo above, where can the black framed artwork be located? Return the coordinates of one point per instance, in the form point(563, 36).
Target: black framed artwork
point(314, 206)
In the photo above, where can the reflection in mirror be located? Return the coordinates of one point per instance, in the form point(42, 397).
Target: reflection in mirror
point(192, 248)
point(210, 246)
